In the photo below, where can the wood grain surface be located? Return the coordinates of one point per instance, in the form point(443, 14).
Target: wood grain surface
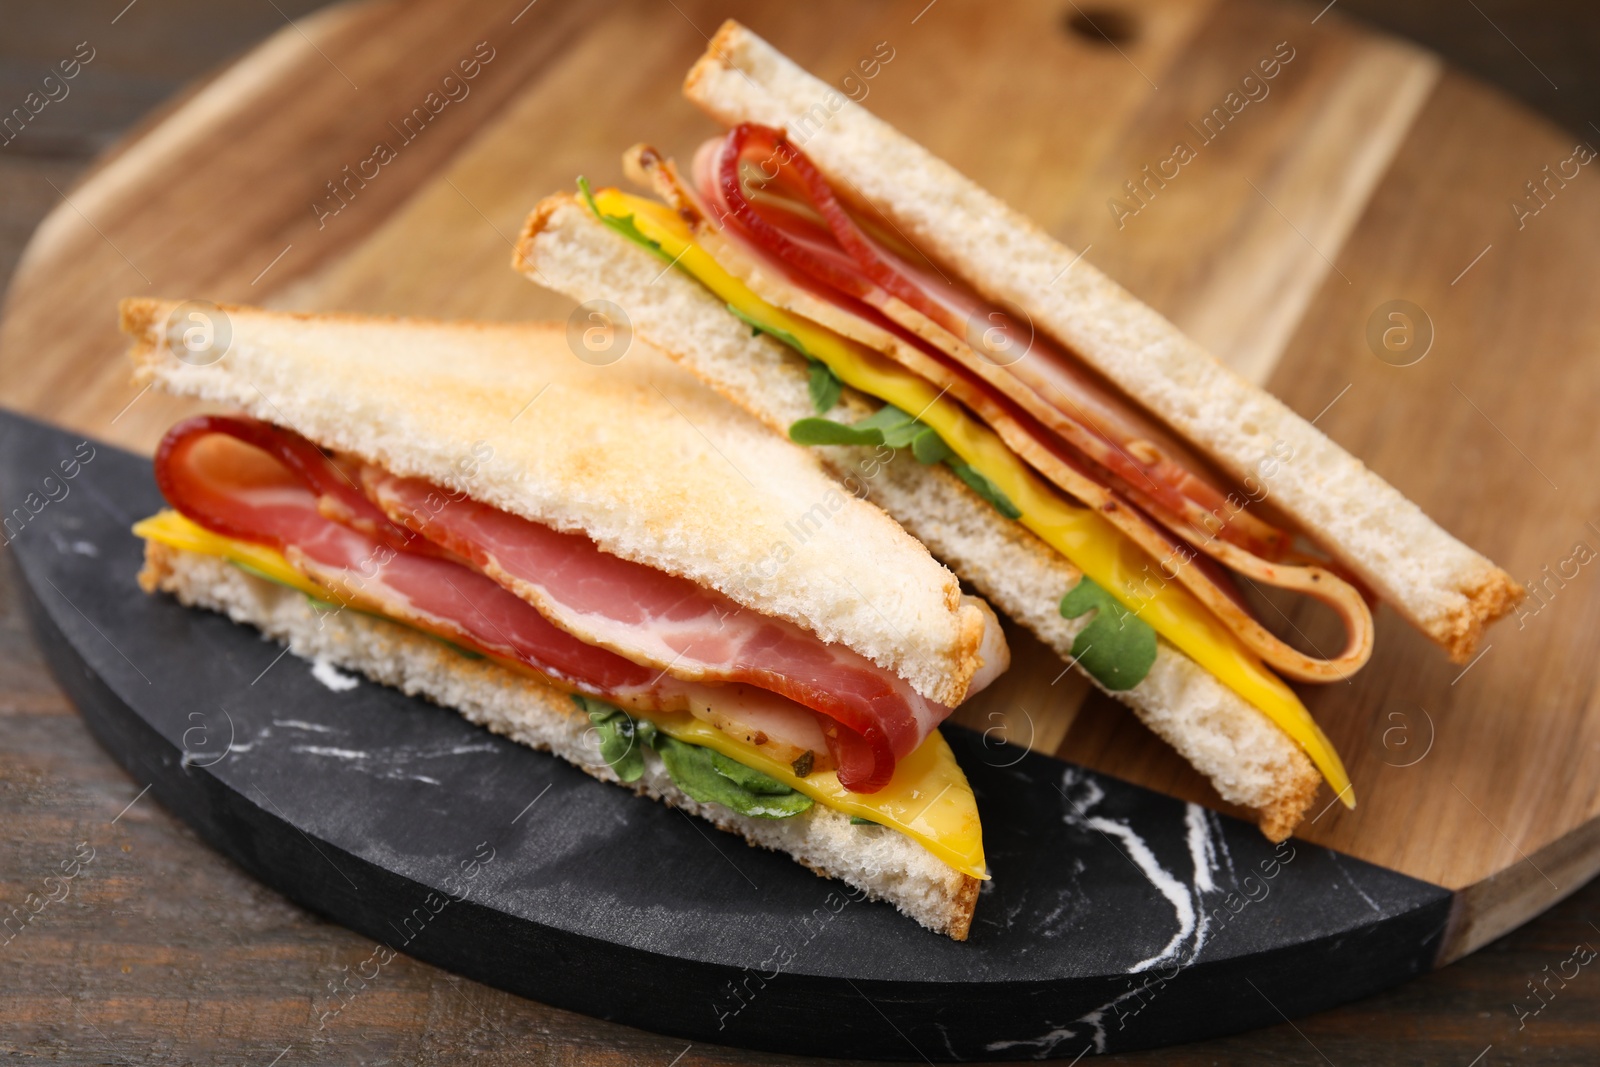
point(1369, 173)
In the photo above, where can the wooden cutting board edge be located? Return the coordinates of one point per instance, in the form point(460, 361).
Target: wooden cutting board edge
point(1498, 904)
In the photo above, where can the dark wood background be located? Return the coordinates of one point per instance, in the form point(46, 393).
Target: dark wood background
point(163, 952)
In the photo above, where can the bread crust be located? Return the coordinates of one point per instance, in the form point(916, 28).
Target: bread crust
point(1249, 760)
point(885, 865)
point(637, 454)
point(1441, 586)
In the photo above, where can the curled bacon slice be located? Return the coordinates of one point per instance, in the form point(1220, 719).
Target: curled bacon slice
point(843, 256)
point(1079, 433)
point(551, 601)
point(215, 490)
point(674, 624)
point(265, 495)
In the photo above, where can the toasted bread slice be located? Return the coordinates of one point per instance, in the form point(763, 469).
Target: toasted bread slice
point(639, 455)
point(885, 865)
point(1250, 761)
point(1444, 588)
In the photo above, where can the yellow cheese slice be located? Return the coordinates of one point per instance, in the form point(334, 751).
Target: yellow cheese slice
point(928, 799)
point(1096, 547)
point(173, 530)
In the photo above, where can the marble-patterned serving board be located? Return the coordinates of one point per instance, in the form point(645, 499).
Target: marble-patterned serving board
point(1117, 918)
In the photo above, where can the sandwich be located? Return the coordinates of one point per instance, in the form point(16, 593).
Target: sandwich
point(1063, 448)
point(591, 560)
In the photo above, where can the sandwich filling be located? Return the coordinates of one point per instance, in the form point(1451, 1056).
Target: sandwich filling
point(552, 604)
point(781, 227)
point(1149, 525)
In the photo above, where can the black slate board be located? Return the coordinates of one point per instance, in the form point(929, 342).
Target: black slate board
point(1117, 918)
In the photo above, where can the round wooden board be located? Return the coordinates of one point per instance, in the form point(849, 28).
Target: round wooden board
point(1367, 173)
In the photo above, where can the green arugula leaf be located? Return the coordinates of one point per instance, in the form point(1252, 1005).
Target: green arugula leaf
point(1117, 646)
point(622, 737)
point(817, 431)
point(824, 385)
point(695, 771)
point(984, 488)
point(706, 775)
point(623, 224)
point(886, 426)
point(856, 820)
point(747, 777)
point(757, 328)
point(930, 448)
point(898, 429)
point(893, 427)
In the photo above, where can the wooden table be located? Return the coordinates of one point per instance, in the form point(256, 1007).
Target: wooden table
point(164, 952)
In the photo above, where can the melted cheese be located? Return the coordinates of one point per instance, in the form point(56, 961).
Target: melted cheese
point(928, 799)
point(1080, 534)
point(173, 530)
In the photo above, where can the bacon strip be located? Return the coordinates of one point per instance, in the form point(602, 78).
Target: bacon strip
point(782, 220)
point(673, 624)
point(551, 601)
point(263, 494)
point(1085, 411)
